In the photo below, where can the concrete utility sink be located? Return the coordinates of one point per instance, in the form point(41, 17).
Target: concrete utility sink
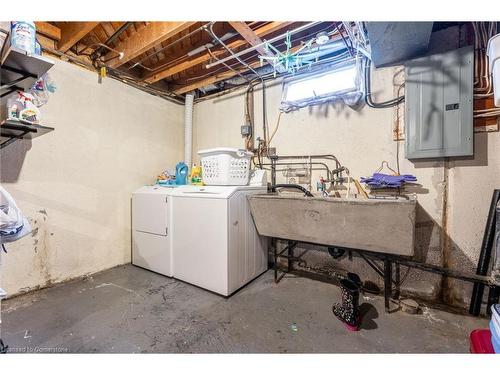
point(379, 225)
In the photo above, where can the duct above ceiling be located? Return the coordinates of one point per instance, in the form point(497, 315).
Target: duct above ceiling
point(394, 42)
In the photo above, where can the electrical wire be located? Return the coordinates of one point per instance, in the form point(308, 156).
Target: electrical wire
point(331, 31)
point(212, 72)
point(252, 57)
point(118, 75)
point(397, 128)
point(276, 127)
point(166, 47)
point(257, 54)
point(227, 66)
point(483, 85)
point(482, 82)
point(349, 48)
point(320, 64)
point(331, 62)
point(368, 94)
point(210, 30)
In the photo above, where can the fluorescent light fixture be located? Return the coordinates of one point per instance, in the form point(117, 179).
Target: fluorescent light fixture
point(322, 85)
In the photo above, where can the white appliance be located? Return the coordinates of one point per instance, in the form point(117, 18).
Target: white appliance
point(151, 244)
point(216, 245)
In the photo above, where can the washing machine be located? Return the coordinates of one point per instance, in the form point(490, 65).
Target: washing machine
point(214, 240)
point(151, 229)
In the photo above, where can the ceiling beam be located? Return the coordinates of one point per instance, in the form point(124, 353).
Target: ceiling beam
point(72, 32)
point(251, 37)
point(213, 79)
point(146, 38)
point(225, 75)
point(176, 52)
point(48, 30)
point(189, 63)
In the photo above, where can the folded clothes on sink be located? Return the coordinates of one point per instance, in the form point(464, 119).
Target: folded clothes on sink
point(381, 180)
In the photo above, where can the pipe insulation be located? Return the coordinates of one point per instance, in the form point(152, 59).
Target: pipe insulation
point(188, 129)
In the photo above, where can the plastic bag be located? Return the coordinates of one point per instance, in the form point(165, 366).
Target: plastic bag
point(13, 225)
point(41, 90)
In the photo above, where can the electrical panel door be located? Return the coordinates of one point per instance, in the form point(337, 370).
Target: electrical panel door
point(438, 105)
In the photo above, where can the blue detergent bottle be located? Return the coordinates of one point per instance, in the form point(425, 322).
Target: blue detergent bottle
point(181, 172)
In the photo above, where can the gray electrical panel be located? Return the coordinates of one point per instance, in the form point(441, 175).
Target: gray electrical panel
point(438, 105)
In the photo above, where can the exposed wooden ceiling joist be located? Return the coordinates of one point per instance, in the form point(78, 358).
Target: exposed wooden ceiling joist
point(213, 79)
point(222, 76)
point(189, 63)
point(48, 30)
point(178, 49)
point(109, 29)
point(173, 54)
point(72, 32)
point(251, 37)
point(144, 39)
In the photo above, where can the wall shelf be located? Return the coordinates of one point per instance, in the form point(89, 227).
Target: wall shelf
point(19, 71)
point(12, 130)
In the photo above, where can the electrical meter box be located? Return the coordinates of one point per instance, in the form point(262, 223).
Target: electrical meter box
point(439, 105)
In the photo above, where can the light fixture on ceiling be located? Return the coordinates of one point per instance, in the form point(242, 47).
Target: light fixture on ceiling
point(322, 38)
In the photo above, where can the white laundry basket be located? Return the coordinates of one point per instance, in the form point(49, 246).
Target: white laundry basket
point(493, 52)
point(225, 166)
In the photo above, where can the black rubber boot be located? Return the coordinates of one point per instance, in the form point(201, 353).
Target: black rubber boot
point(3, 347)
point(348, 310)
point(354, 277)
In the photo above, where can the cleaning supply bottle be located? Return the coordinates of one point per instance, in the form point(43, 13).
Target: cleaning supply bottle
point(23, 36)
point(181, 173)
point(195, 177)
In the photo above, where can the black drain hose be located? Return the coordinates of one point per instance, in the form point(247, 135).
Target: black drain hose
point(293, 186)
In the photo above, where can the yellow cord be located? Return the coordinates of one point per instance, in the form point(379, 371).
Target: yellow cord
point(276, 128)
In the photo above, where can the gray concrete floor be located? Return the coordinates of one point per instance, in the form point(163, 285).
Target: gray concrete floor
point(131, 310)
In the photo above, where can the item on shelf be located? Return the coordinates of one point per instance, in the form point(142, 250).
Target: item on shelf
point(31, 114)
point(21, 107)
point(23, 36)
point(195, 177)
point(14, 107)
point(38, 49)
point(41, 89)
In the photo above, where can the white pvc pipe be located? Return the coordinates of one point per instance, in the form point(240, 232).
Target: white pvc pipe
point(188, 129)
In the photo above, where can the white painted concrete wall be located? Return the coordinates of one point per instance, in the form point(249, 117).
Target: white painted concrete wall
point(361, 140)
point(75, 183)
